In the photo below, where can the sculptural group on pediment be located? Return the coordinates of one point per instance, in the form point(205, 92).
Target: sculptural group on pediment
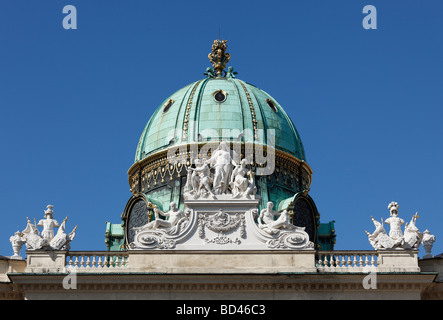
point(410, 238)
point(222, 189)
point(162, 233)
point(47, 239)
point(176, 219)
point(221, 174)
point(279, 232)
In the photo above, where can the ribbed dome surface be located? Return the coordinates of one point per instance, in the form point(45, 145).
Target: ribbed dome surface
point(218, 109)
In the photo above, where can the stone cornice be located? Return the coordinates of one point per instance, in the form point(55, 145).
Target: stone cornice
point(220, 282)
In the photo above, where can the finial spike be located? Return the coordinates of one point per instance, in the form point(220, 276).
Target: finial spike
point(218, 57)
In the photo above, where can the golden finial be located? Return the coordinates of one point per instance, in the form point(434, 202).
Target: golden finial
point(219, 57)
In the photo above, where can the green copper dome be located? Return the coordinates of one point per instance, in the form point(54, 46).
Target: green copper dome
point(218, 109)
point(193, 121)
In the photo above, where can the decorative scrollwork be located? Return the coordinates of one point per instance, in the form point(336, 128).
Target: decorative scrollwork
point(221, 223)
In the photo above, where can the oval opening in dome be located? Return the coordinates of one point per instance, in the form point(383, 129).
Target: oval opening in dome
point(271, 105)
point(220, 96)
point(167, 105)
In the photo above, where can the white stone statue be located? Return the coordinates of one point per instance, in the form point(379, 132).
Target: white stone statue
point(200, 179)
point(171, 226)
point(32, 237)
point(47, 241)
point(48, 224)
point(242, 181)
point(395, 222)
point(379, 239)
point(223, 163)
point(427, 242)
point(410, 239)
point(61, 241)
point(162, 234)
point(413, 236)
point(268, 223)
point(17, 241)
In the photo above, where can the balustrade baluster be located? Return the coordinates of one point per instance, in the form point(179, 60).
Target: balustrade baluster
point(87, 262)
point(71, 262)
point(321, 261)
point(339, 262)
point(93, 263)
point(76, 262)
point(100, 261)
point(333, 261)
point(363, 260)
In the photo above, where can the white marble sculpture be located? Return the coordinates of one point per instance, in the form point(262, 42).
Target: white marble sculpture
point(221, 224)
point(171, 226)
point(200, 179)
point(32, 236)
point(411, 238)
point(221, 213)
point(223, 163)
point(279, 232)
point(379, 239)
point(242, 181)
point(33, 240)
point(427, 242)
point(161, 233)
point(395, 222)
point(220, 177)
point(48, 224)
point(62, 240)
point(17, 242)
point(272, 221)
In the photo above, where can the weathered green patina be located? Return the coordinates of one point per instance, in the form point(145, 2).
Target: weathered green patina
point(194, 115)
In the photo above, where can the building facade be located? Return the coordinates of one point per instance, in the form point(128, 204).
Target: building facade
point(220, 209)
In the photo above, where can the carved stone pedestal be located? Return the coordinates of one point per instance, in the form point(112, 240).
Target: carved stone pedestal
point(398, 261)
point(41, 261)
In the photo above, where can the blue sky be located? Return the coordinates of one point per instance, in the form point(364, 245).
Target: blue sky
point(367, 103)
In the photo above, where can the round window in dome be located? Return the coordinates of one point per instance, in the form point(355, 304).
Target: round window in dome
point(220, 96)
point(271, 105)
point(167, 105)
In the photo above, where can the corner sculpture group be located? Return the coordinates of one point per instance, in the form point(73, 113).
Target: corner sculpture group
point(411, 238)
point(33, 240)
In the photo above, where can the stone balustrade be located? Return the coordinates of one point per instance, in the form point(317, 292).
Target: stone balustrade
point(346, 261)
point(94, 260)
point(340, 261)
